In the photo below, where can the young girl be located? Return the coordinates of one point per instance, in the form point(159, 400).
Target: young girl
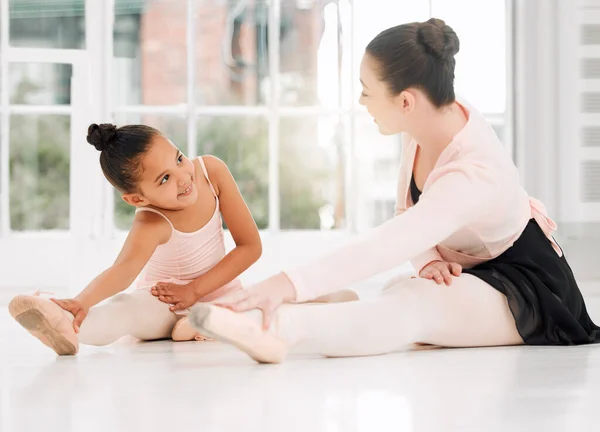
point(461, 210)
point(176, 239)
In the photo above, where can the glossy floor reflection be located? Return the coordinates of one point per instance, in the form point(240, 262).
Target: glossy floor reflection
point(164, 386)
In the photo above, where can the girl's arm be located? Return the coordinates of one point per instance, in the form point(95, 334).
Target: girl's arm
point(147, 232)
point(239, 220)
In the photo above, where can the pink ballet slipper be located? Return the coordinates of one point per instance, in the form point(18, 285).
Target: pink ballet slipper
point(46, 321)
point(238, 330)
point(183, 332)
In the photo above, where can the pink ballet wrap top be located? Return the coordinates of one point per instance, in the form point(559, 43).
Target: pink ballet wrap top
point(472, 209)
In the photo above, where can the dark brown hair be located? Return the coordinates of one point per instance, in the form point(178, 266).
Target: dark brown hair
point(418, 55)
point(121, 151)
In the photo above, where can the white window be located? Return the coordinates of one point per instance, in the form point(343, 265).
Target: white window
point(271, 87)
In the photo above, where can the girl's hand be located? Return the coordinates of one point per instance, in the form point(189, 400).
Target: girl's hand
point(74, 307)
point(441, 272)
point(267, 296)
point(180, 297)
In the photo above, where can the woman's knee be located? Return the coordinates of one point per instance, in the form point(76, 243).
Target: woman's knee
point(407, 283)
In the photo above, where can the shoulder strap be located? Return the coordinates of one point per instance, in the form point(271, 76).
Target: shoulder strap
point(204, 170)
point(151, 210)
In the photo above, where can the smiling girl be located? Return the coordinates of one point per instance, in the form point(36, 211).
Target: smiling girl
point(176, 245)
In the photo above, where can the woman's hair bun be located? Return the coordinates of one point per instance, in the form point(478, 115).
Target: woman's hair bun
point(438, 39)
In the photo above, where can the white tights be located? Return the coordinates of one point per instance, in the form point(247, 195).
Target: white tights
point(138, 314)
point(142, 316)
point(469, 313)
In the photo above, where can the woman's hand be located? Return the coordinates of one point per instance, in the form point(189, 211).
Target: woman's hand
point(441, 272)
point(267, 296)
point(75, 308)
point(180, 297)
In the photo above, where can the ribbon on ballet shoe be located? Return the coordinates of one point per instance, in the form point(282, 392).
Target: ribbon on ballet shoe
point(44, 294)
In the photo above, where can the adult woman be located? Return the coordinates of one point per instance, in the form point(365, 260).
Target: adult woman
point(460, 206)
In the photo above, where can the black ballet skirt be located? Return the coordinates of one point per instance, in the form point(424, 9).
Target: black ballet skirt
point(542, 293)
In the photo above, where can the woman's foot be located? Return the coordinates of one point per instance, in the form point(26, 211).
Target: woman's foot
point(183, 332)
point(239, 330)
point(46, 321)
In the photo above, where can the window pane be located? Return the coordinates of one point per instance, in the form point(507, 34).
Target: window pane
point(39, 171)
point(47, 24)
point(150, 58)
point(314, 53)
point(40, 83)
point(242, 143)
point(312, 170)
point(173, 128)
point(481, 61)
point(378, 172)
point(231, 52)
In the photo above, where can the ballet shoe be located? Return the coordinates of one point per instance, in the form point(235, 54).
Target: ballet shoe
point(47, 321)
point(183, 332)
point(238, 330)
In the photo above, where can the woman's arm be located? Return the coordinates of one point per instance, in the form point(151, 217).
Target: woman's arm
point(147, 232)
point(429, 256)
point(458, 198)
point(239, 220)
point(406, 168)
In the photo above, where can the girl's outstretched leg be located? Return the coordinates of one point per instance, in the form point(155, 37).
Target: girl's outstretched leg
point(138, 314)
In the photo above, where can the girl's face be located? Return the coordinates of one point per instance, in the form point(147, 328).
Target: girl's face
point(167, 178)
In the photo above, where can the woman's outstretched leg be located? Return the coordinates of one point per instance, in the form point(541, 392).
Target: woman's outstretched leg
point(468, 313)
point(342, 296)
point(183, 331)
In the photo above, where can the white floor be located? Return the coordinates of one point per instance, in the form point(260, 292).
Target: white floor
point(165, 386)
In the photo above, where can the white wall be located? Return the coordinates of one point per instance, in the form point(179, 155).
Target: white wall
point(547, 120)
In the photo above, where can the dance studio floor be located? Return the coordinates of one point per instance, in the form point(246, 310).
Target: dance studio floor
point(206, 387)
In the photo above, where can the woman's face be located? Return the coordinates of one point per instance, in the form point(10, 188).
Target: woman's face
point(388, 111)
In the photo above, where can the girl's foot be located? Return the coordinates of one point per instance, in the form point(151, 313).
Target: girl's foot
point(239, 330)
point(183, 331)
point(47, 321)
